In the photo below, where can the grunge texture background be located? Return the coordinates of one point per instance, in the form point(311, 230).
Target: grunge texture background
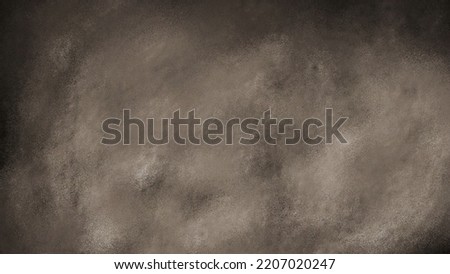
point(67, 65)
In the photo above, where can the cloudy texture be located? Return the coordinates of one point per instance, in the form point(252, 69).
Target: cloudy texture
point(66, 66)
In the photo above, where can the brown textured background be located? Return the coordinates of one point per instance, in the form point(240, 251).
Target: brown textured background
point(66, 66)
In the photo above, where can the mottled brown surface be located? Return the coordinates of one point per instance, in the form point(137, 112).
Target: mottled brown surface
point(66, 66)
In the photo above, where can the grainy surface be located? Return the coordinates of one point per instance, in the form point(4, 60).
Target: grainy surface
point(66, 66)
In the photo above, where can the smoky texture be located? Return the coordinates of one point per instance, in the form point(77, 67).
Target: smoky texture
point(67, 65)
